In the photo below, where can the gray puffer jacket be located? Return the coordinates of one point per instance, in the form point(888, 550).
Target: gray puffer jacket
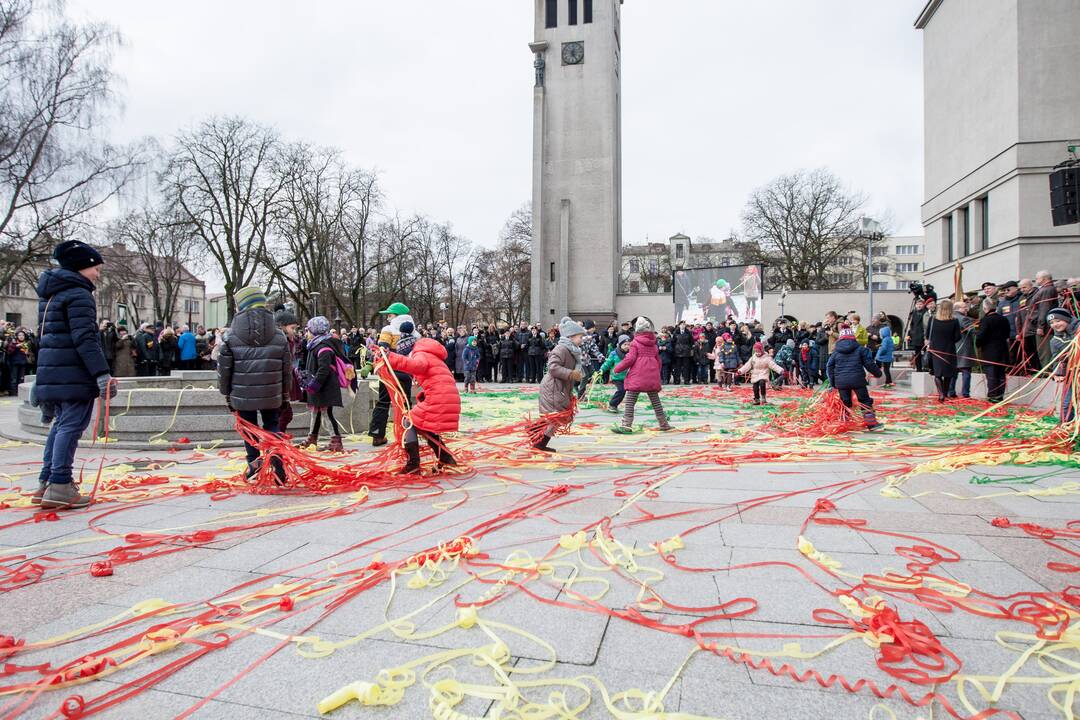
point(255, 367)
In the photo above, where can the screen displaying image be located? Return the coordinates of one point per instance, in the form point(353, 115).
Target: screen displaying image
point(719, 293)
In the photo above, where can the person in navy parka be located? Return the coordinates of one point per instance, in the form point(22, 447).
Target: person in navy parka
point(846, 370)
point(72, 371)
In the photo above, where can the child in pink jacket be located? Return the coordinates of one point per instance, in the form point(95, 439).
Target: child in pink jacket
point(642, 368)
point(759, 366)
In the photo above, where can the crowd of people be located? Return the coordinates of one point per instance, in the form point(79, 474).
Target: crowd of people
point(267, 359)
point(1020, 327)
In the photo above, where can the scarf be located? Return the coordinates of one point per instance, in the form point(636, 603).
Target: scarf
point(314, 342)
point(574, 350)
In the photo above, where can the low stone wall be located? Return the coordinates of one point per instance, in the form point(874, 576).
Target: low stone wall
point(1041, 394)
point(150, 412)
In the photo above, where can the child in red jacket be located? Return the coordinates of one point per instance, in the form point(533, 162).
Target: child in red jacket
point(438, 407)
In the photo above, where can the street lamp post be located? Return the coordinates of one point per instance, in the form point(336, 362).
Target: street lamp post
point(870, 230)
point(314, 303)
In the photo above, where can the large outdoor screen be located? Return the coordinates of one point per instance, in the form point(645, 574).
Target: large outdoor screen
point(718, 293)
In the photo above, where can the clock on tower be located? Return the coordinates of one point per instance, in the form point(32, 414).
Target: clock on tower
point(577, 160)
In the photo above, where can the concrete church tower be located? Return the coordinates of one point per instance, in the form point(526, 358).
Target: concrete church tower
point(577, 160)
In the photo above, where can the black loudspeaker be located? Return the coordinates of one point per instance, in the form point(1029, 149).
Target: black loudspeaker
point(1065, 196)
point(1064, 178)
point(1066, 215)
point(1062, 196)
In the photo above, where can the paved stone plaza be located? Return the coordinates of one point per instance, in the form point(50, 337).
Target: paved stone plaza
point(258, 620)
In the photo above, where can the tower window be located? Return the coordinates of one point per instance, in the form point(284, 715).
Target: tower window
point(551, 18)
point(573, 11)
point(552, 272)
point(588, 11)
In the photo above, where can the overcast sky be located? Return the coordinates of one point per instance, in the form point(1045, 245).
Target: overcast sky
point(719, 96)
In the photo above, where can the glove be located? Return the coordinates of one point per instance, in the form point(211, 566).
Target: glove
point(575, 375)
point(106, 388)
point(366, 370)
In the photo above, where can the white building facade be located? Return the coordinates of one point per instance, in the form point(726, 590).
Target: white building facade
point(1001, 106)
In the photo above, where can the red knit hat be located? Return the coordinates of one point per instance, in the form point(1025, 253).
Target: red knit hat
point(758, 347)
point(846, 331)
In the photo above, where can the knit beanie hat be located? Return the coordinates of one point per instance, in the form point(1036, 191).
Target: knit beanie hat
point(284, 317)
point(759, 348)
point(1059, 313)
point(790, 343)
point(318, 325)
point(643, 324)
point(846, 332)
point(569, 328)
point(624, 338)
point(75, 255)
point(250, 297)
point(406, 328)
point(726, 336)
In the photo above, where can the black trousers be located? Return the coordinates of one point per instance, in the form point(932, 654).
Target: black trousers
point(886, 367)
point(684, 369)
point(862, 394)
point(536, 368)
point(995, 382)
point(1031, 353)
point(507, 369)
point(269, 423)
point(381, 414)
point(918, 351)
point(759, 390)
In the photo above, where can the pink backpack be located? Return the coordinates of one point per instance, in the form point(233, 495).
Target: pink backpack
point(346, 373)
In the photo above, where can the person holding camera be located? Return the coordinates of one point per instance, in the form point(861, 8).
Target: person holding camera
point(915, 340)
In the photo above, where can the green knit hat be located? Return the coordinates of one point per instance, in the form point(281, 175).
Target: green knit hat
point(396, 309)
point(250, 297)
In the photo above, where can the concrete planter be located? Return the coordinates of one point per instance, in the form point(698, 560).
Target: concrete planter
point(1040, 394)
point(150, 412)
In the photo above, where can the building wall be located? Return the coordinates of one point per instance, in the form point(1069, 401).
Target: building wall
point(107, 297)
point(1002, 104)
point(577, 167)
point(807, 306)
point(20, 308)
point(217, 311)
point(969, 54)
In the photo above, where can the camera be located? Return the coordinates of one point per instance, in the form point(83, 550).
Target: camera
point(920, 290)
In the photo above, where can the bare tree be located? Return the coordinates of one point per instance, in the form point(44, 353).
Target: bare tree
point(321, 231)
point(656, 273)
point(222, 176)
point(804, 226)
point(504, 272)
point(56, 89)
point(159, 251)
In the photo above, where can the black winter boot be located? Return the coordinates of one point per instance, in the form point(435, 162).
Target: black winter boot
point(412, 467)
point(542, 446)
point(442, 453)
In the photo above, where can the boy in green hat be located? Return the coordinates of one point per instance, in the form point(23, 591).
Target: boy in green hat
point(388, 340)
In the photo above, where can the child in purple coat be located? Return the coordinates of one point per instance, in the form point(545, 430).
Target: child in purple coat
point(642, 368)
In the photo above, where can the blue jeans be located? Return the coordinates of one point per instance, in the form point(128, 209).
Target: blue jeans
point(965, 385)
point(72, 419)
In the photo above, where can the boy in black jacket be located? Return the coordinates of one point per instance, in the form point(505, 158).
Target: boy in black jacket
point(847, 368)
